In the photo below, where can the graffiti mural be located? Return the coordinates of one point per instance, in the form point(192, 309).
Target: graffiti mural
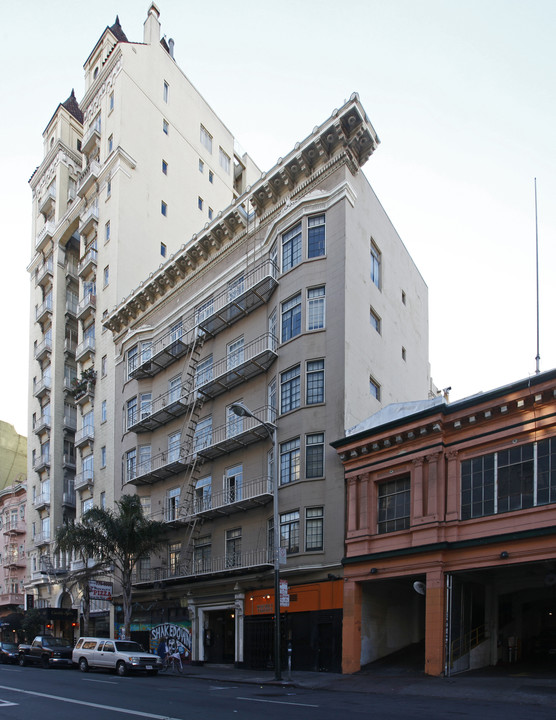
point(178, 638)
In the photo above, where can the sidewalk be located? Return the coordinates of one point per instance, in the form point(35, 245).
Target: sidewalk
point(513, 685)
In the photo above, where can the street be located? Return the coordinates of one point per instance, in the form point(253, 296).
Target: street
point(31, 693)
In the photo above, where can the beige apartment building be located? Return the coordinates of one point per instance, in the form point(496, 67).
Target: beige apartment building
point(299, 301)
point(129, 173)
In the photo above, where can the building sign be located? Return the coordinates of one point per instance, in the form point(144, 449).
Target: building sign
point(178, 639)
point(284, 594)
point(100, 590)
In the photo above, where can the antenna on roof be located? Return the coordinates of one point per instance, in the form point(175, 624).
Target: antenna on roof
point(538, 358)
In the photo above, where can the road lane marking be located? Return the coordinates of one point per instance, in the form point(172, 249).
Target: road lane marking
point(277, 702)
point(106, 682)
point(113, 708)
point(7, 703)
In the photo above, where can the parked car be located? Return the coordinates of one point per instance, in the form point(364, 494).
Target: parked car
point(123, 656)
point(46, 650)
point(8, 652)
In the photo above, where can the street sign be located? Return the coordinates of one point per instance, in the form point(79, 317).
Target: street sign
point(282, 555)
point(284, 595)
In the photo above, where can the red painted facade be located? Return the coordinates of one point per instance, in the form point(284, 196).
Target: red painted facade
point(460, 497)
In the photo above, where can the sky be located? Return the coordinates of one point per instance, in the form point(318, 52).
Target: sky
point(461, 94)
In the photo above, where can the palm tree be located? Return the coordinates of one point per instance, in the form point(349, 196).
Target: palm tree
point(118, 538)
point(78, 539)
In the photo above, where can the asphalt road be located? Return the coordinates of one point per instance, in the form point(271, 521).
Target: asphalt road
point(37, 694)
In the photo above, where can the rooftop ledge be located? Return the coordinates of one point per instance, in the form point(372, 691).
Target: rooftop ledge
point(347, 136)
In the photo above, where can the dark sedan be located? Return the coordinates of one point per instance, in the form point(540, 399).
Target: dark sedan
point(8, 652)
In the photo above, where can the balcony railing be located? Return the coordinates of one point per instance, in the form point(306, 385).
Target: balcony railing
point(68, 461)
point(88, 262)
point(87, 306)
point(48, 200)
point(43, 310)
point(11, 598)
point(70, 422)
point(253, 493)
point(84, 479)
point(87, 178)
point(42, 462)
point(70, 345)
point(159, 467)
point(15, 528)
point(220, 311)
point(43, 349)
point(85, 349)
point(41, 500)
point(41, 387)
point(71, 308)
point(42, 424)
point(162, 410)
point(91, 138)
point(84, 436)
point(244, 561)
point(45, 235)
point(71, 270)
point(88, 220)
point(68, 498)
point(41, 538)
point(44, 272)
point(253, 359)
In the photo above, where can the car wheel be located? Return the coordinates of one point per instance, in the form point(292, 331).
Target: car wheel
point(83, 665)
point(120, 669)
point(21, 660)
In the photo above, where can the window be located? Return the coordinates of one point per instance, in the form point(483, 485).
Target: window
point(110, 143)
point(376, 258)
point(165, 167)
point(315, 308)
point(201, 166)
point(314, 455)
point(203, 434)
point(314, 529)
point(206, 139)
point(86, 505)
point(203, 492)
point(174, 442)
point(204, 311)
point(272, 400)
point(210, 213)
point(404, 354)
point(235, 353)
point(236, 287)
point(165, 127)
point(111, 101)
point(374, 387)
point(315, 382)
point(165, 91)
point(146, 351)
point(316, 236)
point(211, 176)
point(233, 482)
point(174, 552)
point(291, 317)
point(375, 321)
point(290, 389)
point(289, 461)
point(404, 299)
point(291, 248)
point(103, 411)
point(103, 365)
point(103, 500)
point(393, 505)
point(106, 275)
point(200, 203)
point(234, 423)
point(224, 160)
point(144, 466)
point(107, 232)
point(145, 407)
point(131, 465)
point(204, 371)
point(132, 360)
point(174, 389)
point(172, 505)
point(163, 208)
point(108, 188)
point(176, 331)
point(163, 249)
point(289, 531)
point(233, 548)
point(201, 554)
point(131, 412)
point(103, 456)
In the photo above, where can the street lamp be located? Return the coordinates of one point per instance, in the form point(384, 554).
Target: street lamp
point(241, 410)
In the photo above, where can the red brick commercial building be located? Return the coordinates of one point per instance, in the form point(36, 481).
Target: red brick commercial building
point(451, 530)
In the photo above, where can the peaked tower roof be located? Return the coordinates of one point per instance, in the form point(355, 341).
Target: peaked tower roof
point(72, 106)
point(117, 31)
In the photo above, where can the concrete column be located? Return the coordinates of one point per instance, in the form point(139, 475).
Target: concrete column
point(351, 630)
point(435, 616)
point(452, 486)
point(431, 501)
point(417, 490)
point(351, 492)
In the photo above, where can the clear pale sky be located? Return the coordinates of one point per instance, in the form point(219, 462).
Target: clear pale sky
point(462, 94)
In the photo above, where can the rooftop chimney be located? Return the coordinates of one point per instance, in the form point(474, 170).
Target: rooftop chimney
point(151, 28)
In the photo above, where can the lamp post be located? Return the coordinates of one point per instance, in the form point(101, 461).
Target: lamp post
point(241, 410)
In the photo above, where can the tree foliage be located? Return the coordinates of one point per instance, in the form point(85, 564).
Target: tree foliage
point(117, 539)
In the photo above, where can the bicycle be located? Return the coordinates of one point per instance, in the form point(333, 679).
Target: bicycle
point(172, 663)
